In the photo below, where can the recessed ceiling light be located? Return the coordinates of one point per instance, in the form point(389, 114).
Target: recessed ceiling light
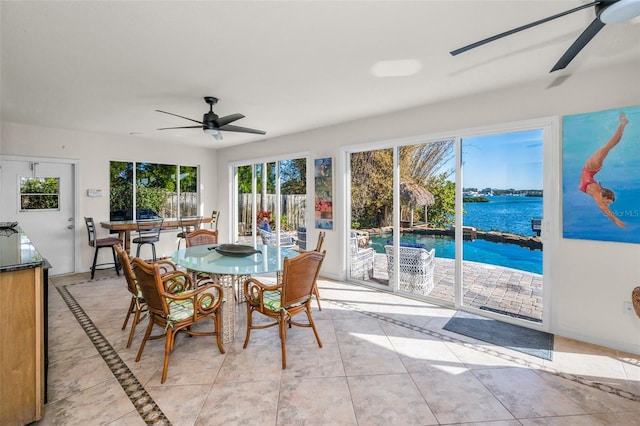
point(398, 68)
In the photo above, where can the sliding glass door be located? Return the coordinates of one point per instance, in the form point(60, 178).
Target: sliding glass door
point(502, 187)
point(458, 221)
point(271, 195)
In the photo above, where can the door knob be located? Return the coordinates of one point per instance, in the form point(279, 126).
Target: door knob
point(70, 227)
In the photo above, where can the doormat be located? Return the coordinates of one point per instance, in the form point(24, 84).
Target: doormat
point(521, 339)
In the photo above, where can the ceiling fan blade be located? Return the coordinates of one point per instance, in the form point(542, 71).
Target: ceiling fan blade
point(518, 29)
point(176, 115)
point(232, 128)
point(227, 119)
point(182, 127)
point(584, 38)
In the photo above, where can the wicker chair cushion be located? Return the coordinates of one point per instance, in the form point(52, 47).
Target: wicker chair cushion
point(180, 310)
point(271, 299)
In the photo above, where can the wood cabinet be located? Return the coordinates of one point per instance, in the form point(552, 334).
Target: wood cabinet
point(22, 363)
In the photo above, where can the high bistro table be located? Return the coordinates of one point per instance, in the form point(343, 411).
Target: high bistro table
point(230, 271)
point(124, 228)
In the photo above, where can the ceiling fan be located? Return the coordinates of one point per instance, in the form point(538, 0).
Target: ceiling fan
point(607, 12)
point(212, 124)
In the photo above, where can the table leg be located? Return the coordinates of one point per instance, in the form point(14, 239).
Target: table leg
point(127, 240)
point(228, 282)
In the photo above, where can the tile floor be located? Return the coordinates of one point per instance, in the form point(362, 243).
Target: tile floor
point(385, 360)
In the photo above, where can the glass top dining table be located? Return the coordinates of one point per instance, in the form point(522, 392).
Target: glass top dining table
point(232, 271)
point(205, 258)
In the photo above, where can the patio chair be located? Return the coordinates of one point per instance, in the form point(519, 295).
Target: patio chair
point(362, 259)
point(416, 268)
point(174, 311)
point(269, 239)
point(283, 301)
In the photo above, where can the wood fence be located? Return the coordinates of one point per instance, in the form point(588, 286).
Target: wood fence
point(292, 211)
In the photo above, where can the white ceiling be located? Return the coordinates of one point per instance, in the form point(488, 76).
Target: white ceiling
point(106, 66)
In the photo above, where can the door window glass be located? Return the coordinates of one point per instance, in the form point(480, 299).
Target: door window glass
point(41, 193)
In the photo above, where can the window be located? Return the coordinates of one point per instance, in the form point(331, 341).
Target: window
point(161, 190)
point(41, 193)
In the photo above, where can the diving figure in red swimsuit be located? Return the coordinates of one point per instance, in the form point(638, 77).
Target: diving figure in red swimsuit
point(602, 196)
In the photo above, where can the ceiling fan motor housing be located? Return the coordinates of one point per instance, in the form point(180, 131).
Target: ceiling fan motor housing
point(208, 119)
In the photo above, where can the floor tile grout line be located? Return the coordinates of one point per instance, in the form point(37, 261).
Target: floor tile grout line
point(567, 376)
point(146, 407)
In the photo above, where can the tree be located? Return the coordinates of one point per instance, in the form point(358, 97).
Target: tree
point(293, 176)
point(371, 188)
point(442, 212)
point(372, 180)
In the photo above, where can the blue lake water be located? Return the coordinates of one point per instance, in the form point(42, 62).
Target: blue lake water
point(502, 213)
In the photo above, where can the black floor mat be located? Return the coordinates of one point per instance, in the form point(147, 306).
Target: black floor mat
point(521, 339)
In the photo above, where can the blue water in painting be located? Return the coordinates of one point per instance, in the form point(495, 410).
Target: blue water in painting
point(502, 213)
point(582, 135)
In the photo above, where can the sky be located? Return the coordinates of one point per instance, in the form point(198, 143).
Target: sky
point(503, 161)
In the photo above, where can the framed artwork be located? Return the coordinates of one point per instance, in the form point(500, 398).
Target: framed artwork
point(601, 175)
point(323, 179)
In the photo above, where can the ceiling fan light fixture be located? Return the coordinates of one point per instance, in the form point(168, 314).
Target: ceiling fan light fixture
point(620, 11)
point(212, 124)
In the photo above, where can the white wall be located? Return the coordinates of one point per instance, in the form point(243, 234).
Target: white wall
point(592, 279)
point(94, 152)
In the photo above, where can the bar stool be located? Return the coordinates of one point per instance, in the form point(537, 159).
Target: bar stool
point(99, 243)
point(188, 225)
point(148, 233)
point(214, 219)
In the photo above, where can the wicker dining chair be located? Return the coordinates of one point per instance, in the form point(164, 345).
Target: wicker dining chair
point(201, 237)
point(137, 306)
point(318, 248)
point(284, 300)
point(176, 312)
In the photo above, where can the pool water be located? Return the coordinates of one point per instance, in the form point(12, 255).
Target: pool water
point(500, 254)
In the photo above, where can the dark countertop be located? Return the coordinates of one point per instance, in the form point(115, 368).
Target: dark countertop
point(17, 251)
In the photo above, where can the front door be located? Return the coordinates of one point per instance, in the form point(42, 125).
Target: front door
point(40, 196)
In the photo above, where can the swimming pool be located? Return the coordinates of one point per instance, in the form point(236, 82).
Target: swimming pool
point(500, 254)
